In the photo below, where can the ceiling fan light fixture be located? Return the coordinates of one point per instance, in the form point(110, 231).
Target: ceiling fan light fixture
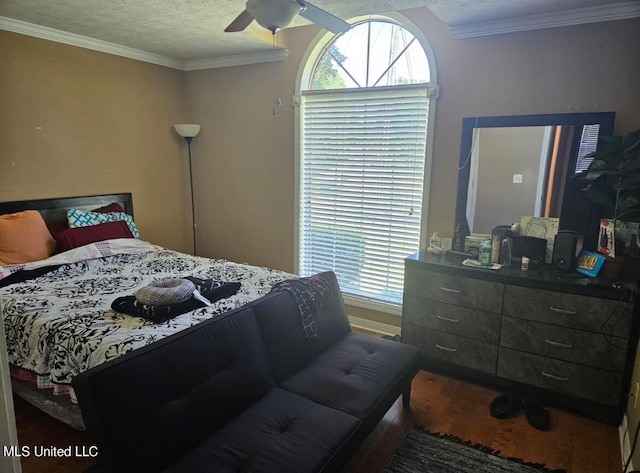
point(273, 14)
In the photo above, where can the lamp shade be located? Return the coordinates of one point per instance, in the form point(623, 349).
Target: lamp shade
point(273, 15)
point(188, 130)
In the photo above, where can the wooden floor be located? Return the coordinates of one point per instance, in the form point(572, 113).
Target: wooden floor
point(438, 403)
point(445, 405)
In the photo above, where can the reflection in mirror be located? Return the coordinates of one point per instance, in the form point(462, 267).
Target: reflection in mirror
point(514, 166)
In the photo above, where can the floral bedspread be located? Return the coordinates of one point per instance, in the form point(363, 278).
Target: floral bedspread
point(61, 323)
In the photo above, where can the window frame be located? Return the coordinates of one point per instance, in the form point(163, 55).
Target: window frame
point(303, 81)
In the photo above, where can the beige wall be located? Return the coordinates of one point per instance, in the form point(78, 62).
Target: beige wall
point(243, 165)
point(502, 153)
point(246, 156)
point(78, 122)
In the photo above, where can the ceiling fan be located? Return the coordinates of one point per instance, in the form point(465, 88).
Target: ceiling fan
point(276, 14)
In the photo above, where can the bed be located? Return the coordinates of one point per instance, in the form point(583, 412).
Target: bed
point(57, 310)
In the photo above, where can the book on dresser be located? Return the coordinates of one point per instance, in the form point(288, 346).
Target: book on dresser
point(564, 339)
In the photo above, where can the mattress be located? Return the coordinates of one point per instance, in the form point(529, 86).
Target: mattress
point(61, 323)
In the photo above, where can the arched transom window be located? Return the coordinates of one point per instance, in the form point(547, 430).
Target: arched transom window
point(364, 107)
point(371, 54)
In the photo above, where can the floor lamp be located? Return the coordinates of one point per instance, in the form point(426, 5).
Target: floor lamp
point(189, 132)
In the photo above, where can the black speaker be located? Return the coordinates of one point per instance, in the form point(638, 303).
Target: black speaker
point(564, 251)
point(532, 247)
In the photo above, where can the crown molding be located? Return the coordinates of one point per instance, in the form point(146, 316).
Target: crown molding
point(620, 11)
point(72, 39)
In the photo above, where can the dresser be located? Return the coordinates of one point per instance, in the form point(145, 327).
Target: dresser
point(563, 339)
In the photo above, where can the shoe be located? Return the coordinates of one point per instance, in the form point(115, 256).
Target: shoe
point(537, 415)
point(505, 405)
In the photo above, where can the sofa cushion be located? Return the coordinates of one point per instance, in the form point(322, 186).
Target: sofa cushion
point(287, 346)
point(358, 375)
point(150, 406)
point(281, 433)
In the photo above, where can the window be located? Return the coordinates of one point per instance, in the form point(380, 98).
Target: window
point(363, 127)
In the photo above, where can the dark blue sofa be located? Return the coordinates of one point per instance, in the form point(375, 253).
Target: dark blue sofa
point(246, 392)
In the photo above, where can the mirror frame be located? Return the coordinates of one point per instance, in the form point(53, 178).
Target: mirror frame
point(605, 119)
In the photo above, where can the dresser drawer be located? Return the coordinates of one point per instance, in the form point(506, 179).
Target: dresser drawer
point(560, 376)
point(452, 348)
point(563, 343)
point(568, 310)
point(466, 292)
point(476, 324)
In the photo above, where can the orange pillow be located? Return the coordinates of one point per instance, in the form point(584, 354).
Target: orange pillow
point(24, 237)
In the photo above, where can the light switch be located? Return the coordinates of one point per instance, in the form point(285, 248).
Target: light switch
point(517, 178)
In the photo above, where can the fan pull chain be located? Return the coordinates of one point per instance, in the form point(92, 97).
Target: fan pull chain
point(276, 78)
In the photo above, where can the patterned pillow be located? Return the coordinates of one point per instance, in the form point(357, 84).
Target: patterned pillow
point(56, 228)
point(83, 218)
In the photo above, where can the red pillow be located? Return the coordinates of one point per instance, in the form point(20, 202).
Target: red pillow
point(56, 228)
point(115, 207)
point(75, 237)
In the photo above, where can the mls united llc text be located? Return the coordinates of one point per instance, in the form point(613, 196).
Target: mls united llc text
point(41, 451)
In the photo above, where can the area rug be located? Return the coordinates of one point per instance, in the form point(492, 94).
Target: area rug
point(424, 452)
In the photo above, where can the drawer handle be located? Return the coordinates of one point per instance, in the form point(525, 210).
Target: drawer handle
point(563, 311)
point(447, 319)
point(558, 344)
point(450, 291)
point(555, 377)
point(440, 347)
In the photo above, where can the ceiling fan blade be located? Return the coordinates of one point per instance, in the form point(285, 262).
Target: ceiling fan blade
point(322, 18)
point(240, 23)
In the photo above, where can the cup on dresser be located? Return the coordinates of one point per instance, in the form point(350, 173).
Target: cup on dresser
point(505, 252)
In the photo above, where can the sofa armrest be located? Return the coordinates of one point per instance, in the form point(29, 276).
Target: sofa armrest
point(279, 319)
point(149, 407)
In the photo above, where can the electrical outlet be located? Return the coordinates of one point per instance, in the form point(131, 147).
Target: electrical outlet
point(635, 395)
point(517, 178)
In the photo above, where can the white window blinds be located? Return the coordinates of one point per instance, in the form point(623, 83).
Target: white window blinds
point(362, 172)
point(588, 144)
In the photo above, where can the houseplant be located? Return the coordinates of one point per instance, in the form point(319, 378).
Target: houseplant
point(613, 182)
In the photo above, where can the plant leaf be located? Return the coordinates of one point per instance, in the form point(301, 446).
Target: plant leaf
point(600, 196)
point(598, 173)
point(628, 201)
point(631, 145)
point(629, 182)
point(632, 215)
point(611, 153)
point(631, 166)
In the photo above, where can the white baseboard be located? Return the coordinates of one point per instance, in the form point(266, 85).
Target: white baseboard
point(625, 442)
point(371, 326)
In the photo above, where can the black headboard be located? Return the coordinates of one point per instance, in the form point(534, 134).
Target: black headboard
point(55, 210)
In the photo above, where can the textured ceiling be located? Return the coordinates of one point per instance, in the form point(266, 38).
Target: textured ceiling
point(194, 29)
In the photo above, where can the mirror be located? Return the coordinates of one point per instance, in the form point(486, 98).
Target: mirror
point(514, 166)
